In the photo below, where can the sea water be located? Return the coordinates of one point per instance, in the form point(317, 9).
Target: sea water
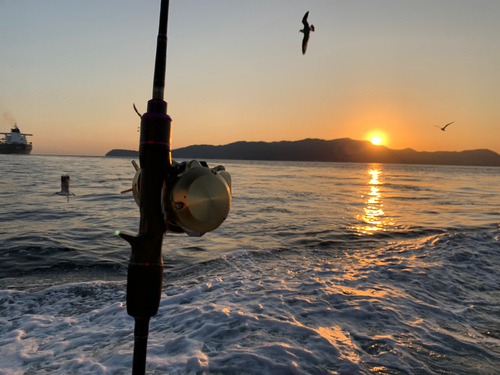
point(320, 268)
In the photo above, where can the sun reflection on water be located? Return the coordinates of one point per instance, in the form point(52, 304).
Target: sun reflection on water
point(374, 218)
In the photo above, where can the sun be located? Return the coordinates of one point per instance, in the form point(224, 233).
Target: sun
point(377, 137)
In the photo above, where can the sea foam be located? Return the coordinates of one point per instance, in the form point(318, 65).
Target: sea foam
point(410, 308)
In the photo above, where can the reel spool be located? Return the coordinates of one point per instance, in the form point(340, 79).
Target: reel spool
point(196, 200)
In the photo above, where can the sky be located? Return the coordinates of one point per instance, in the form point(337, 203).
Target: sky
point(70, 72)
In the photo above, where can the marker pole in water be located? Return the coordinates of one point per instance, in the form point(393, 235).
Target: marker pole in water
point(145, 272)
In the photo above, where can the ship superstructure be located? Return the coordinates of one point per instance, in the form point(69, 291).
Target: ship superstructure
point(15, 142)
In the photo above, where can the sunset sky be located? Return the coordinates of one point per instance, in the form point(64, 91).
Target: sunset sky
point(70, 72)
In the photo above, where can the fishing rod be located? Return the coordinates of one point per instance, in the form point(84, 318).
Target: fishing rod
point(187, 197)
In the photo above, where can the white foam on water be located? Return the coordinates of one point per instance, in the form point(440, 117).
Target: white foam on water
point(426, 306)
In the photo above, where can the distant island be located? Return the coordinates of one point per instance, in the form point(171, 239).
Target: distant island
point(118, 153)
point(338, 150)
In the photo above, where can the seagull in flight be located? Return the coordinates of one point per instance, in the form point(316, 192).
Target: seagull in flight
point(444, 127)
point(306, 30)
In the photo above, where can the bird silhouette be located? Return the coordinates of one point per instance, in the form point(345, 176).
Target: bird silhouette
point(444, 127)
point(65, 187)
point(306, 30)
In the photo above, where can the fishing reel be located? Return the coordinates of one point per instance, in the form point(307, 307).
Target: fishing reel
point(195, 198)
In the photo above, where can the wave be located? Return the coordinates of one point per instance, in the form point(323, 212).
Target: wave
point(426, 305)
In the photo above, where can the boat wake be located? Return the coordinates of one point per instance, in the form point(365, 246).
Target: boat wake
point(419, 306)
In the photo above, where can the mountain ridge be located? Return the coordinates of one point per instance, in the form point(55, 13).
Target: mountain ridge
point(336, 150)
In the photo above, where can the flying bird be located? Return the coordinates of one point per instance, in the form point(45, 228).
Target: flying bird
point(65, 187)
point(444, 127)
point(306, 30)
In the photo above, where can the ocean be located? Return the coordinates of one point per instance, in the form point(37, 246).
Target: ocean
point(320, 268)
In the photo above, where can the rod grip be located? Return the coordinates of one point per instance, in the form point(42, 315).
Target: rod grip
point(144, 290)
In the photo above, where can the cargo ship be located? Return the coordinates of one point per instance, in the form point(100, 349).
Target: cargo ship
point(15, 142)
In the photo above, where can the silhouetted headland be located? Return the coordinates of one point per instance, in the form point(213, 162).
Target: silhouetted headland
point(338, 150)
point(117, 153)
